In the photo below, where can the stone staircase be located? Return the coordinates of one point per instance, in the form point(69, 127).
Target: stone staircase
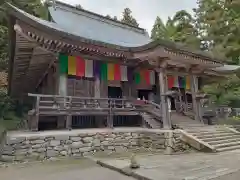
point(218, 138)
point(204, 137)
point(151, 121)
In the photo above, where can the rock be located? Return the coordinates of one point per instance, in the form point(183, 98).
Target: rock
point(69, 142)
point(38, 142)
point(21, 152)
point(74, 151)
point(120, 149)
point(105, 143)
point(58, 148)
point(64, 153)
point(37, 146)
point(41, 150)
point(96, 142)
point(55, 143)
point(52, 153)
point(7, 158)
point(110, 148)
point(85, 149)
point(76, 145)
point(61, 137)
point(13, 140)
point(88, 139)
point(75, 139)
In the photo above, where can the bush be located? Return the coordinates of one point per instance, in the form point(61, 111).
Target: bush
point(6, 103)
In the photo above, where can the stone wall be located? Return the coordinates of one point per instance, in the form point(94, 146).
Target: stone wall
point(77, 143)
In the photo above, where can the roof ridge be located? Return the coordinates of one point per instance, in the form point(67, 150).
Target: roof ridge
point(137, 29)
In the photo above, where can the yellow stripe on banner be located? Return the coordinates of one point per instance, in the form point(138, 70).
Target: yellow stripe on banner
point(71, 65)
point(110, 71)
point(188, 85)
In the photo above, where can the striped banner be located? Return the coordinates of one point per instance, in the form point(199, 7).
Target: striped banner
point(145, 77)
point(77, 66)
point(170, 82)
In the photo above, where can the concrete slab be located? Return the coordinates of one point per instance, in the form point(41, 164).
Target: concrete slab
point(60, 170)
point(193, 166)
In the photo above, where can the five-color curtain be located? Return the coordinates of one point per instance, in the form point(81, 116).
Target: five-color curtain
point(80, 67)
point(145, 77)
point(179, 82)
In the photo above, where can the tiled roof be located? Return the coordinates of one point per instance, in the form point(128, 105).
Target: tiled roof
point(3, 79)
point(92, 26)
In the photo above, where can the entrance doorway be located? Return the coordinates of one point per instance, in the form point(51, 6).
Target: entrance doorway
point(144, 94)
point(114, 92)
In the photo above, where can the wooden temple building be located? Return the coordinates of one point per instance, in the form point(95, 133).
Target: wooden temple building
point(85, 70)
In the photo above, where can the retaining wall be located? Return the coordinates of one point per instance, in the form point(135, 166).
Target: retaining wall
point(39, 146)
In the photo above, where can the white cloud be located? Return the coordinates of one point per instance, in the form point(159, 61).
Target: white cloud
point(145, 11)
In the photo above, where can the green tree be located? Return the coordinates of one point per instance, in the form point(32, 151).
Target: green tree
point(162, 31)
point(180, 28)
point(218, 25)
point(128, 18)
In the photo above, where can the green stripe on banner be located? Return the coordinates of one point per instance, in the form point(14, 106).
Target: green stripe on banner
point(63, 62)
point(137, 78)
point(184, 82)
point(104, 71)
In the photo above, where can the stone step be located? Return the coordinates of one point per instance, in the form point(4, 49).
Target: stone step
point(215, 135)
point(227, 144)
point(204, 131)
point(212, 133)
point(211, 139)
point(230, 148)
point(213, 143)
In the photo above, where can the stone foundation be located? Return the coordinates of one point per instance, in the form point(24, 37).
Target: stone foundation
point(45, 145)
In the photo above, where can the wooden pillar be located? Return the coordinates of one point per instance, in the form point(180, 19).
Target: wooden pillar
point(62, 91)
point(163, 97)
point(62, 85)
point(194, 91)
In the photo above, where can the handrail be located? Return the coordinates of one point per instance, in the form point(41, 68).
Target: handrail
point(75, 97)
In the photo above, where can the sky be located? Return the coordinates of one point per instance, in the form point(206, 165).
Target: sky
point(145, 11)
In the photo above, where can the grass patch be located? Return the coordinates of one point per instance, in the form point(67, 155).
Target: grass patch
point(8, 124)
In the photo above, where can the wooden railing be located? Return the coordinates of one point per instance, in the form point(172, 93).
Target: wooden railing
point(52, 104)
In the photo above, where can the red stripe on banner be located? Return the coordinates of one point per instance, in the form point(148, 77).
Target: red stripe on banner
point(147, 76)
point(117, 72)
point(80, 67)
point(170, 82)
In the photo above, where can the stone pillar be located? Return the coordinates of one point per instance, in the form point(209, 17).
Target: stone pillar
point(194, 90)
point(163, 97)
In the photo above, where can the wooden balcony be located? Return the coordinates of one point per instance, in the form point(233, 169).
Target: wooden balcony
point(68, 106)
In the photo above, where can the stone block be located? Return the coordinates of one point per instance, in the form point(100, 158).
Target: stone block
point(7, 158)
point(120, 149)
point(85, 149)
point(37, 142)
point(37, 146)
point(87, 139)
point(54, 143)
point(76, 145)
point(110, 147)
point(58, 148)
point(68, 141)
point(64, 153)
point(76, 138)
point(52, 153)
point(61, 137)
point(40, 150)
point(13, 140)
point(96, 142)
